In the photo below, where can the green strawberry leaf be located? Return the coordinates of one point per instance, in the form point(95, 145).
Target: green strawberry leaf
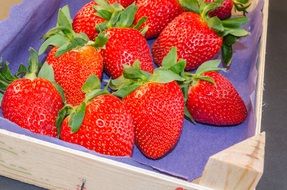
point(104, 14)
point(103, 5)
point(101, 40)
point(47, 72)
point(63, 113)
point(77, 117)
point(64, 17)
point(22, 70)
point(126, 90)
point(135, 72)
point(1, 98)
point(227, 53)
point(212, 65)
point(33, 64)
point(6, 76)
point(165, 76)
point(92, 83)
point(140, 23)
point(127, 16)
point(192, 5)
point(238, 32)
point(170, 59)
point(179, 67)
point(235, 22)
point(188, 115)
point(56, 40)
point(216, 24)
point(91, 95)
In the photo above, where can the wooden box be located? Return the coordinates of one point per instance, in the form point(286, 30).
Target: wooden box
point(53, 166)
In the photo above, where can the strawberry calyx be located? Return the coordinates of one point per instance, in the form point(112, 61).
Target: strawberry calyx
point(76, 114)
point(230, 29)
point(133, 77)
point(192, 79)
point(116, 16)
point(241, 6)
point(62, 35)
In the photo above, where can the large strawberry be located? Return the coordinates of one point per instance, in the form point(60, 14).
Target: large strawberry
point(31, 102)
point(100, 123)
point(123, 42)
point(156, 104)
point(212, 99)
point(73, 58)
point(159, 13)
point(198, 37)
point(124, 3)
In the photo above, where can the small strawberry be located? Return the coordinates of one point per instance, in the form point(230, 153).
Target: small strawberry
point(124, 3)
point(31, 102)
point(156, 104)
point(212, 99)
point(100, 123)
point(86, 20)
point(226, 6)
point(199, 38)
point(73, 58)
point(159, 13)
point(122, 42)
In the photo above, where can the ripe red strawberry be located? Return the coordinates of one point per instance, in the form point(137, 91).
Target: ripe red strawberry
point(195, 41)
point(100, 123)
point(199, 38)
point(123, 43)
point(73, 68)
point(124, 3)
point(159, 13)
point(213, 100)
point(224, 11)
point(86, 20)
point(156, 104)
point(32, 103)
point(73, 58)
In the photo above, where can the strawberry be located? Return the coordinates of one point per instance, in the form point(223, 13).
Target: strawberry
point(226, 6)
point(212, 99)
point(122, 42)
point(124, 3)
point(73, 58)
point(159, 13)
point(100, 123)
point(32, 103)
point(156, 104)
point(224, 11)
point(199, 38)
point(86, 20)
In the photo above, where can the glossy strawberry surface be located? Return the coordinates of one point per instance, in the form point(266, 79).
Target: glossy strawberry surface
point(194, 40)
point(86, 20)
point(216, 104)
point(73, 68)
point(125, 46)
point(107, 128)
point(124, 3)
point(33, 105)
point(159, 13)
point(158, 114)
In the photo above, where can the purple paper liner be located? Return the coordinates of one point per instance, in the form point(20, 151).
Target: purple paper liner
point(31, 19)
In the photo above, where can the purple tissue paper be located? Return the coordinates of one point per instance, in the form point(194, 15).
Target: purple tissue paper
point(32, 18)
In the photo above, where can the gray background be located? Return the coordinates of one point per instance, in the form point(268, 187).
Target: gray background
point(275, 108)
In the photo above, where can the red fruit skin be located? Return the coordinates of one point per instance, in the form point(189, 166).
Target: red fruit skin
point(218, 104)
point(124, 3)
point(86, 20)
point(159, 14)
point(194, 40)
point(107, 128)
point(33, 105)
point(224, 11)
point(125, 46)
point(158, 113)
point(73, 68)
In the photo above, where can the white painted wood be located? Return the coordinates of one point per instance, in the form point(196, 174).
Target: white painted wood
point(55, 167)
point(239, 167)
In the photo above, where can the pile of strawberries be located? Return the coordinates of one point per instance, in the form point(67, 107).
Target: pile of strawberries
point(65, 97)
